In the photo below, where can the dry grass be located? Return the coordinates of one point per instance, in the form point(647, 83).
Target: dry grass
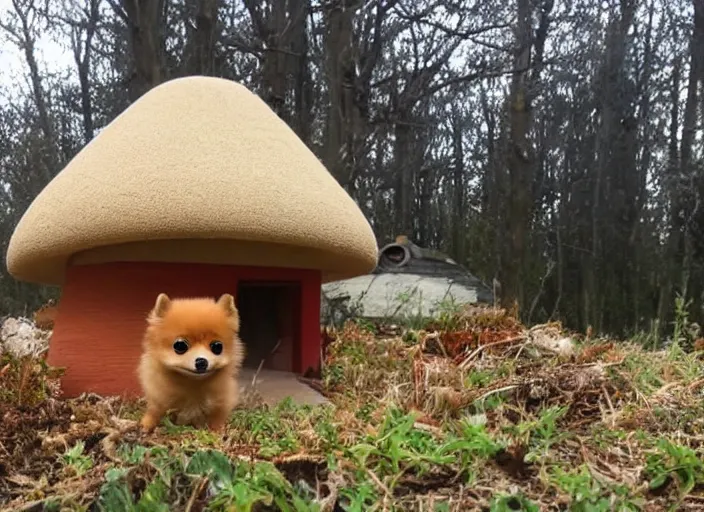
point(473, 413)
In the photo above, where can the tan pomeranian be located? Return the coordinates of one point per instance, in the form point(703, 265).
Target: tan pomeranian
point(192, 355)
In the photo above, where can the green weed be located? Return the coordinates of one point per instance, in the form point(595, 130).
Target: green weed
point(512, 503)
point(588, 495)
point(75, 459)
point(669, 461)
point(540, 434)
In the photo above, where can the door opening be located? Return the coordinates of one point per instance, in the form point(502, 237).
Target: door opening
point(269, 323)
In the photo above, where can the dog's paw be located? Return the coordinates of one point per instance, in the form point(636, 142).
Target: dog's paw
point(217, 426)
point(147, 424)
point(217, 420)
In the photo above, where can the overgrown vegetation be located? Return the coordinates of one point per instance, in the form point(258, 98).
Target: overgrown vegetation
point(555, 146)
point(474, 412)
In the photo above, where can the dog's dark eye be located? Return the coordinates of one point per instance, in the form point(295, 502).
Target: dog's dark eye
point(216, 347)
point(180, 346)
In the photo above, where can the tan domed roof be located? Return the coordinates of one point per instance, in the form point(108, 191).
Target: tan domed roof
point(197, 170)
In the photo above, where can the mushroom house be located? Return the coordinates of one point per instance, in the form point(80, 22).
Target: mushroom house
point(197, 189)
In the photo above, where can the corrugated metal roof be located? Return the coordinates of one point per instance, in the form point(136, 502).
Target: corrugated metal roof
point(405, 257)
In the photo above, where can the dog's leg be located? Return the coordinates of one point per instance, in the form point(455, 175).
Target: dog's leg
point(217, 419)
point(152, 417)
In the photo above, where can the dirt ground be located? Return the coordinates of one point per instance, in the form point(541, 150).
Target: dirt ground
point(474, 412)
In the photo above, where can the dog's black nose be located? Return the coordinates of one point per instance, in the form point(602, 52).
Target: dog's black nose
point(201, 364)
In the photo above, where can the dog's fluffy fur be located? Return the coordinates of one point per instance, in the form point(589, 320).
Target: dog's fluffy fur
point(171, 381)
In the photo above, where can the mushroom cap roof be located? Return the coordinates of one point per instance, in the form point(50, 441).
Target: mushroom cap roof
point(197, 160)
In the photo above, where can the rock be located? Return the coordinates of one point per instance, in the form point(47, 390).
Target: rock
point(551, 338)
point(19, 337)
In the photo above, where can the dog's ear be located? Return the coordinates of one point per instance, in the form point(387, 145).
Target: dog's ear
point(227, 302)
point(163, 302)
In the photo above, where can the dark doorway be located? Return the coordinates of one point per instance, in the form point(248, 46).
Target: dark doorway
point(269, 323)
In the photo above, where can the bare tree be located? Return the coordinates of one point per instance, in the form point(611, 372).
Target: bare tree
point(281, 42)
point(519, 152)
point(145, 19)
point(22, 30)
point(79, 19)
point(571, 171)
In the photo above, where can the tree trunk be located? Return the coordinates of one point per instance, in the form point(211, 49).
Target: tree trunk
point(459, 220)
point(201, 46)
point(281, 28)
point(299, 69)
point(343, 115)
point(519, 163)
point(83, 54)
point(681, 173)
point(404, 172)
point(144, 18)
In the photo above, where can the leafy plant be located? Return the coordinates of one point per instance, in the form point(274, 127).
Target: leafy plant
point(398, 447)
point(512, 503)
point(541, 433)
point(244, 485)
point(132, 454)
point(588, 495)
point(360, 497)
point(473, 443)
point(681, 322)
point(75, 459)
point(670, 461)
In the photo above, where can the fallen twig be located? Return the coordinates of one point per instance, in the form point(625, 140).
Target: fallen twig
point(435, 336)
point(481, 348)
point(693, 385)
point(196, 492)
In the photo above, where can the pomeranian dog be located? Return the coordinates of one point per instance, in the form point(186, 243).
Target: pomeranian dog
point(192, 354)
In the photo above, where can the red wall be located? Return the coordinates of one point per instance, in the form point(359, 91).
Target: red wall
point(103, 309)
